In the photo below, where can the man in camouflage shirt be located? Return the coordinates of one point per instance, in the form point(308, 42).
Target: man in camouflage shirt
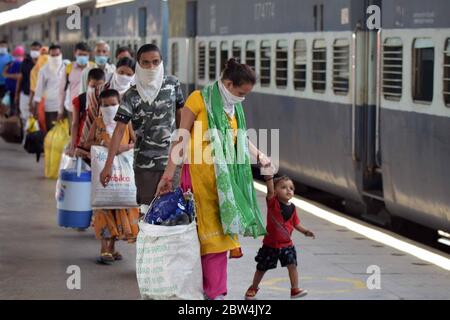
point(154, 115)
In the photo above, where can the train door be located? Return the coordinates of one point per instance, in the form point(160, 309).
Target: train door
point(369, 151)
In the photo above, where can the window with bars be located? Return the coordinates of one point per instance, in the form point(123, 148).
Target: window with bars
point(341, 66)
point(281, 77)
point(319, 65)
point(423, 69)
point(237, 50)
point(250, 54)
point(201, 61)
point(223, 54)
point(300, 64)
point(447, 73)
point(265, 63)
point(392, 69)
point(212, 61)
point(175, 59)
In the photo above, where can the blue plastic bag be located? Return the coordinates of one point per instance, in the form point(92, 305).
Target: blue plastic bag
point(174, 208)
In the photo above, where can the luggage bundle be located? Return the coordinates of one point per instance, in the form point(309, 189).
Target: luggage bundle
point(168, 261)
point(11, 129)
point(172, 209)
point(54, 144)
point(34, 140)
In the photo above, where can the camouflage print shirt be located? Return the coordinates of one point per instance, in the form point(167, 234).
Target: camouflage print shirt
point(153, 124)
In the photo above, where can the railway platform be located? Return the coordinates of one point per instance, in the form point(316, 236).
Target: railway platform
point(343, 262)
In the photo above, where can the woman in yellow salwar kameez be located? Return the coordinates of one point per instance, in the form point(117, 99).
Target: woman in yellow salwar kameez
point(199, 114)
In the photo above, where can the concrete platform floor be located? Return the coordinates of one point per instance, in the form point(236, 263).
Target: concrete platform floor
point(35, 253)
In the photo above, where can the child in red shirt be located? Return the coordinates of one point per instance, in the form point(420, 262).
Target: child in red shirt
point(282, 219)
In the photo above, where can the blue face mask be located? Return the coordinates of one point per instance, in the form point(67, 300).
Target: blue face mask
point(82, 60)
point(3, 50)
point(101, 60)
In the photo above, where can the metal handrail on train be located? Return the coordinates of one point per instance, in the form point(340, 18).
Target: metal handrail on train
point(354, 95)
point(378, 101)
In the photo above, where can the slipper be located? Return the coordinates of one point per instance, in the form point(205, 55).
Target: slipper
point(117, 256)
point(105, 258)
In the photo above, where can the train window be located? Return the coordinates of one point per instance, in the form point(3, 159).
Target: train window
point(201, 61)
point(237, 49)
point(212, 60)
point(98, 30)
point(423, 69)
point(281, 76)
point(341, 66)
point(250, 54)
point(300, 64)
point(447, 73)
point(142, 21)
point(265, 63)
point(223, 54)
point(175, 57)
point(392, 68)
point(319, 68)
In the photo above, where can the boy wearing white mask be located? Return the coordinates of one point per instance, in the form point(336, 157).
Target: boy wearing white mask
point(101, 57)
point(50, 79)
point(74, 71)
point(153, 106)
point(117, 224)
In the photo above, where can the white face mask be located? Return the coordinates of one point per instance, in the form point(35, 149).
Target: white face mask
point(108, 115)
point(229, 100)
point(54, 62)
point(228, 96)
point(121, 82)
point(149, 82)
point(34, 54)
point(3, 50)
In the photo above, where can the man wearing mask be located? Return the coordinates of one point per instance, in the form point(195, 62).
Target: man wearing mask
point(11, 73)
point(102, 53)
point(74, 71)
point(5, 58)
point(50, 79)
point(23, 83)
point(153, 106)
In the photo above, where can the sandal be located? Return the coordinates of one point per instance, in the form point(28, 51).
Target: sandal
point(251, 293)
point(105, 258)
point(117, 256)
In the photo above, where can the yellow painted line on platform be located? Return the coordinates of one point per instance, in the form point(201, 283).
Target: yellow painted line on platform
point(368, 232)
point(273, 284)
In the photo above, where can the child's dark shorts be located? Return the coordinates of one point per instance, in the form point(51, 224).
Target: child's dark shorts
point(268, 257)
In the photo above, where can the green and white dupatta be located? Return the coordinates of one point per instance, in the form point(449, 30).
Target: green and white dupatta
point(238, 207)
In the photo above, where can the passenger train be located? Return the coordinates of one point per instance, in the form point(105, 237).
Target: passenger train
point(363, 114)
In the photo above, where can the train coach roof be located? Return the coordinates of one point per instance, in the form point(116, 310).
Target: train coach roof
point(36, 8)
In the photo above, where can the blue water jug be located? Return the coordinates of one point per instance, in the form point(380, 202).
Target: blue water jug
point(74, 198)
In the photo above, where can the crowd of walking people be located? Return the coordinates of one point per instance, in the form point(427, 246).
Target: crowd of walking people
point(135, 105)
